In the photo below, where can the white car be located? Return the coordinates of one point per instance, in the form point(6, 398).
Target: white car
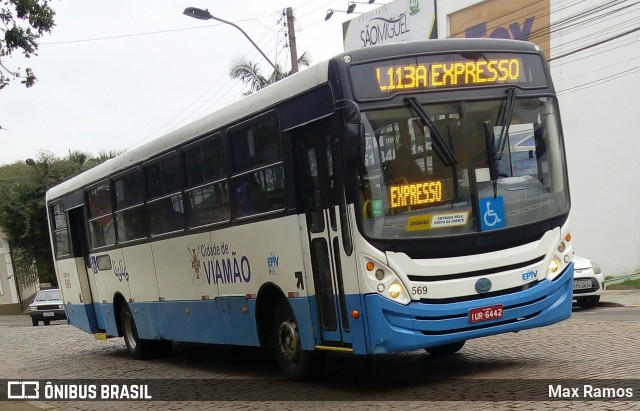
point(588, 282)
point(47, 306)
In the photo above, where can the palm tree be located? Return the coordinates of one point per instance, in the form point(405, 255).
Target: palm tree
point(249, 73)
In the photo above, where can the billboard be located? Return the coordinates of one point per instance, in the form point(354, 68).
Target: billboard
point(527, 20)
point(400, 20)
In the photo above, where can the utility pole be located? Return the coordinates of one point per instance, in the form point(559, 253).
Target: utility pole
point(292, 41)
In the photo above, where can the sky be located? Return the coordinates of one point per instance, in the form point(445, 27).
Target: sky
point(113, 75)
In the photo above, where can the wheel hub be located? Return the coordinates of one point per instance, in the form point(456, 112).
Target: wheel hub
point(129, 331)
point(288, 341)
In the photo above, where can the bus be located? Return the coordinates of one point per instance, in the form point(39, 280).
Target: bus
point(368, 204)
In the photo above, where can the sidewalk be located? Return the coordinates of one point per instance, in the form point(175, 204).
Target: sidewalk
point(628, 298)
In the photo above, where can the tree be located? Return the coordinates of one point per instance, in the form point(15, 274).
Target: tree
point(23, 215)
point(249, 72)
point(23, 22)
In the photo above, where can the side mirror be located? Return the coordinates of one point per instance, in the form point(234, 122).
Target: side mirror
point(354, 143)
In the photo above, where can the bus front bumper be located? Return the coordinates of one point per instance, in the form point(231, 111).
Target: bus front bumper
point(395, 327)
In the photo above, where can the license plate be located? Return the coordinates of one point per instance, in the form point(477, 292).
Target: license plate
point(485, 313)
point(47, 314)
point(581, 284)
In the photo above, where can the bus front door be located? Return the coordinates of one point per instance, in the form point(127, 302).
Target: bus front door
point(77, 288)
point(320, 193)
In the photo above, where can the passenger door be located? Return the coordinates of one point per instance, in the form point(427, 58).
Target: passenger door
point(317, 160)
point(76, 282)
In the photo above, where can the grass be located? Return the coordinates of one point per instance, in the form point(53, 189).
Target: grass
point(625, 285)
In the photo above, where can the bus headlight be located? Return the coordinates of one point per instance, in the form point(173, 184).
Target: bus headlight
point(395, 290)
point(383, 280)
point(563, 255)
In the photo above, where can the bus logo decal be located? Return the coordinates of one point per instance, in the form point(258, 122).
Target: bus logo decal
point(529, 275)
point(120, 270)
point(220, 265)
point(94, 265)
point(196, 264)
point(483, 285)
point(272, 263)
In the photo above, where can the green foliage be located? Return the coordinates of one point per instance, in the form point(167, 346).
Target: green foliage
point(23, 215)
point(631, 284)
point(249, 73)
point(23, 22)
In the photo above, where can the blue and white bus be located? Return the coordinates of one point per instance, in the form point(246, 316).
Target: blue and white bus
point(368, 204)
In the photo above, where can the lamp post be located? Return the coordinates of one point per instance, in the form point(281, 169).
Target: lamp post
point(200, 14)
point(351, 6)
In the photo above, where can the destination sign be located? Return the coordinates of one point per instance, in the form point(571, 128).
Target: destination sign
point(415, 194)
point(439, 72)
point(459, 73)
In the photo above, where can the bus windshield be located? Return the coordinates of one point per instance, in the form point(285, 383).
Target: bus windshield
point(411, 188)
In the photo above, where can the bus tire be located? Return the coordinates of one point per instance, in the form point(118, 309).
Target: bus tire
point(446, 349)
point(296, 363)
point(34, 322)
point(138, 348)
point(46, 322)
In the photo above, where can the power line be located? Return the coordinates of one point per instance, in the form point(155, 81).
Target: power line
point(626, 33)
point(148, 33)
point(599, 81)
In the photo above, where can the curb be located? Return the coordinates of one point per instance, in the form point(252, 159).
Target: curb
point(609, 304)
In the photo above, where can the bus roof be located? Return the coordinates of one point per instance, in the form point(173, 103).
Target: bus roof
point(439, 46)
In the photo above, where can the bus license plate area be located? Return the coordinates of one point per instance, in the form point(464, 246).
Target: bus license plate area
point(491, 312)
point(47, 314)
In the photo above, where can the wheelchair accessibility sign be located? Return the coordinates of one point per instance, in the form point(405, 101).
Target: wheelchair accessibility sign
point(492, 213)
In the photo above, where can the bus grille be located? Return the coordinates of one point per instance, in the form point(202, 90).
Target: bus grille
point(479, 296)
point(479, 273)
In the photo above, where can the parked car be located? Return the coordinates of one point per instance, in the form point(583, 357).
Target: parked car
point(47, 306)
point(588, 282)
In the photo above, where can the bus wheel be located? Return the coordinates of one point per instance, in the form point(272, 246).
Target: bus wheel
point(138, 348)
point(295, 363)
point(34, 322)
point(446, 349)
point(46, 322)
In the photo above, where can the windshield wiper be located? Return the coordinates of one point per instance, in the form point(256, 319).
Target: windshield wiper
point(506, 121)
point(439, 146)
point(491, 157)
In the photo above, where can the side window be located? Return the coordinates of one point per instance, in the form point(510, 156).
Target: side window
point(257, 183)
point(206, 187)
point(256, 145)
point(60, 232)
point(130, 217)
point(164, 206)
point(101, 228)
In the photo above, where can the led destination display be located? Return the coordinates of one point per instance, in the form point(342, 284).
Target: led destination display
point(459, 73)
point(415, 194)
point(449, 71)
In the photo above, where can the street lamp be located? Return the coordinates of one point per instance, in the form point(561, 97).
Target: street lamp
point(351, 6)
point(200, 14)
